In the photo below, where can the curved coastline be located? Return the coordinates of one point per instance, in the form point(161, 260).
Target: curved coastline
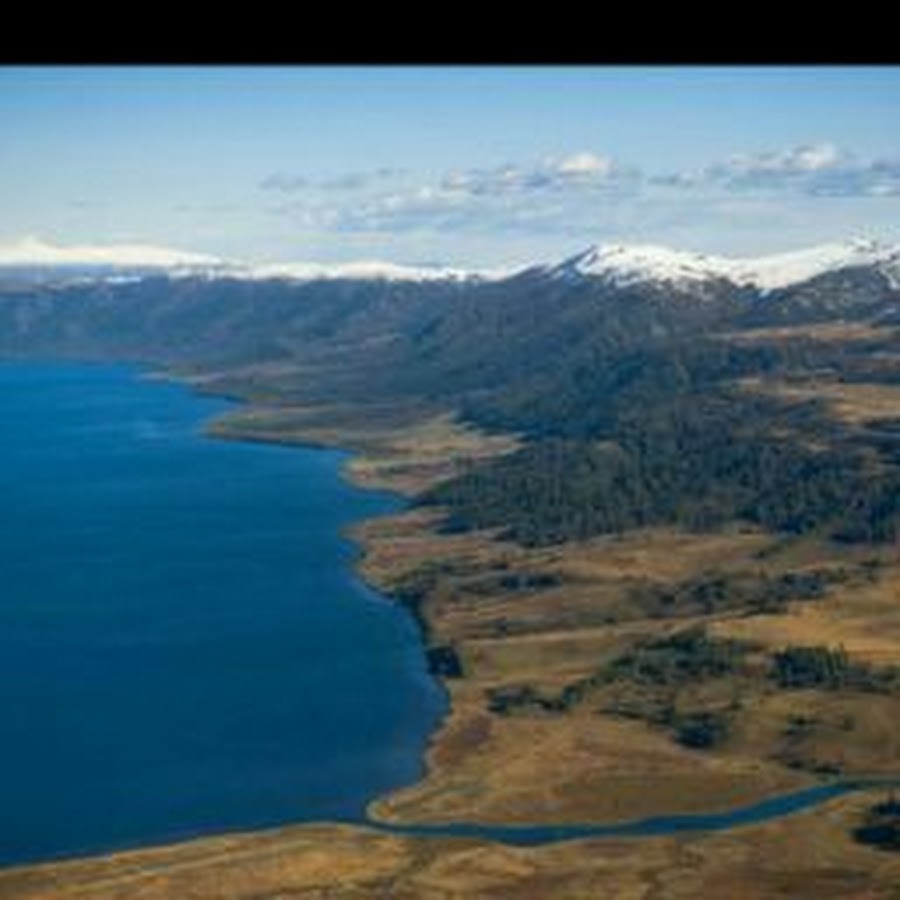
point(380, 724)
point(222, 427)
point(228, 426)
point(771, 807)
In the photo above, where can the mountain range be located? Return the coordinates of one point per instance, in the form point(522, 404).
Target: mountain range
point(621, 264)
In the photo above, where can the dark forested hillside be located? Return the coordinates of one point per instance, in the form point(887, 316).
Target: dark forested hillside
point(445, 339)
point(211, 322)
point(855, 293)
point(697, 461)
point(633, 401)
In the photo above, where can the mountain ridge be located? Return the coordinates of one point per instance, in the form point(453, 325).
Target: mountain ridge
point(627, 264)
point(621, 264)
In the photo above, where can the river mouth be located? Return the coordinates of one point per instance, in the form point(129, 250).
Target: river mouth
point(185, 648)
point(534, 835)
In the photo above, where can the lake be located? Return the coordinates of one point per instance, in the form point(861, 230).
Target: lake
point(184, 645)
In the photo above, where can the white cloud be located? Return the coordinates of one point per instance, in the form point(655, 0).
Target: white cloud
point(576, 172)
point(511, 196)
point(584, 192)
point(816, 170)
point(815, 157)
point(793, 161)
point(585, 164)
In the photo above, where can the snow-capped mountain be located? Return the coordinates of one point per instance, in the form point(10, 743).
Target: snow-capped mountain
point(36, 259)
point(362, 270)
point(624, 264)
point(784, 269)
point(619, 265)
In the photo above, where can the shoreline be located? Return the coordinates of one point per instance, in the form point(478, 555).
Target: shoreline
point(392, 842)
point(227, 426)
point(374, 463)
point(382, 459)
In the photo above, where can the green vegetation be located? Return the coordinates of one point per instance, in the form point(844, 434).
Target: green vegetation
point(590, 393)
point(694, 686)
point(699, 463)
point(829, 669)
point(881, 827)
point(413, 587)
point(680, 658)
point(515, 581)
point(516, 698)
point(702, 730)
point(646, 682)
point(444, 661)
point(412, 590)
point(718, 592)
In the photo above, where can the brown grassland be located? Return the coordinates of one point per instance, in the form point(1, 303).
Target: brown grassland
point(806, 855)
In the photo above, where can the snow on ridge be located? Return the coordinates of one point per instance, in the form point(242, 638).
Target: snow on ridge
point(630, 263)
point(621, 264)
point(114, 262)
point(362, 269)
point(368, 270)
point(626, 264)
point(32, 251)
point(783, 269)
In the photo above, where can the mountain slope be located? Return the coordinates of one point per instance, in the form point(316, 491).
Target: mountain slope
point(571, 331)
point(630, 264)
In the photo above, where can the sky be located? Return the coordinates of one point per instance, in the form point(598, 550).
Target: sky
point(461, 166)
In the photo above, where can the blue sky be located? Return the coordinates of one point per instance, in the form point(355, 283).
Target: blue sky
point(455, 165)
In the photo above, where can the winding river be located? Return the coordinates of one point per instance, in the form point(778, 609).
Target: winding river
point(756, 813)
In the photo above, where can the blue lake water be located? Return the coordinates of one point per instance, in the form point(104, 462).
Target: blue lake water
point(184, 647)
